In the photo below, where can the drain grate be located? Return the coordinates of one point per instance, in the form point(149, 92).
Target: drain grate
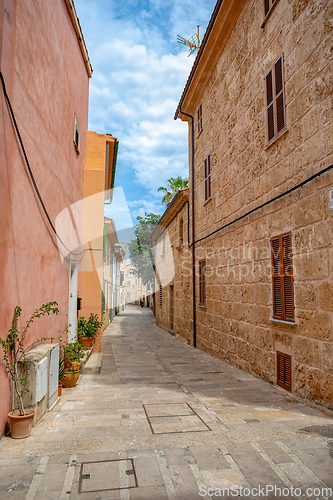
point(107, 475)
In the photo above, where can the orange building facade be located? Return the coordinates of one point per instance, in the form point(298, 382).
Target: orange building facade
point(45, 81)
point(98, 181)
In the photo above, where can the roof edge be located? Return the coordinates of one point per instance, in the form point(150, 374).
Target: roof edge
point(200, 52)
point(77, 27)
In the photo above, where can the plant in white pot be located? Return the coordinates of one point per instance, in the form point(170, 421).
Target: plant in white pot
point(14, 354)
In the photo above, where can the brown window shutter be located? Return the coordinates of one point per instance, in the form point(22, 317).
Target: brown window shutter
point(275, 100)
point(161, 291)
point(277, 282)
point(199, 118)
point(270, 105)
point(283, 287)
point(288, 277)
point(280, 121)
point(202, 282)
point(208, 184)
point(284, 371)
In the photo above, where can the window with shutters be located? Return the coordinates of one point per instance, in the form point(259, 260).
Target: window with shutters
point(181, 231)
point(76, 138)
point(275, 101)
point(161, 291)
point(199, 115)
point(283, 363)
point(202, 283)
point(208, 182)
point(283, 286)
point(268, 5)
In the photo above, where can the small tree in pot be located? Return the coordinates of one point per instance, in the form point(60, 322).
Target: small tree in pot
point(14, 353)
point(87, 329)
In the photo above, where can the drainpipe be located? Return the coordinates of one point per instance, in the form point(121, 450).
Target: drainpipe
point(193, 231)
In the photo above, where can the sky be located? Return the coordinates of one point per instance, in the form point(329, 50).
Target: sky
point(139, 73)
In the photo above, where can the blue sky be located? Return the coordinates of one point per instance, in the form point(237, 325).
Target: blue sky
point(139, 74)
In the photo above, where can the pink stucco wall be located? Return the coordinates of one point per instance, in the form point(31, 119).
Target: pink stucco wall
point(47, 82)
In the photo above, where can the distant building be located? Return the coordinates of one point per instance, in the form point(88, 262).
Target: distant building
point(173, 309)
point(45, 69)
point(98, 180)
point(114, 273)
point(258, 102)
point(136, 291)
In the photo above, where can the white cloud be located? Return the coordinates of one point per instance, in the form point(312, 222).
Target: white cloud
point(139, 75)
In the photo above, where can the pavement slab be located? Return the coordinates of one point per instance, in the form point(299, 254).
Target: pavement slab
point(182, 420)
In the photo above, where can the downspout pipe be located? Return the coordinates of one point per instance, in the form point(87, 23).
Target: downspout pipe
point(193, 229)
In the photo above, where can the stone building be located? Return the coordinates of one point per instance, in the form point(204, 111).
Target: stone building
point(136, 290)
point(173, 268)
point(258, 102)
point(114, 273)
point(45, 71)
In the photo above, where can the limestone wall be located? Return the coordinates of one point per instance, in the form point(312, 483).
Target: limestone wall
point(236, 323)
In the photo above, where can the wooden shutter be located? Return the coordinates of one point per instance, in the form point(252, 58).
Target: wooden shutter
point(200, 118)
point(208, 185)
point(181, 231)
point(268, 4)
point(161, 290)
point(270, 106)
point(275, 100)
point(202, 282)
point(279, 97)
point(283, 287)
point(283, 363)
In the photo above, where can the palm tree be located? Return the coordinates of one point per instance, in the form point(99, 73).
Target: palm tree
point(174, 184)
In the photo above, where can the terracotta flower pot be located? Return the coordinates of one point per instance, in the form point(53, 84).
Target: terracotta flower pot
point(86, 341)
point(20, 425)
point(59, 389)
point(70, 379)
point(73, 365)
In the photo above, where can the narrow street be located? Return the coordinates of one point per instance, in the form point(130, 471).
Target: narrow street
point(164, 420)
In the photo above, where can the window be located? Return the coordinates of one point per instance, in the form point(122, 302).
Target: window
point(76, 139)
point(283, 287)
point(283, 363)
point(199, 118)
point(275, 101)
point(208, 184)
point(202, 283)
point(161, 290)
point(268, 5)
point(181, 231)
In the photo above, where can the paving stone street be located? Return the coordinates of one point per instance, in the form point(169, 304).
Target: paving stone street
point(166, 421)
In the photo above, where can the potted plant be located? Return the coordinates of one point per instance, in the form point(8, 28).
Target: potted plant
point(14, 354)
point(87, 329)
point(71, 353)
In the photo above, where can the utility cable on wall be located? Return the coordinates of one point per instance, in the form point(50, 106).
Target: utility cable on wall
point(29, 168)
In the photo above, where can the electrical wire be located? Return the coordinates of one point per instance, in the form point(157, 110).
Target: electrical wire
point(321, 172)
point(29, 168)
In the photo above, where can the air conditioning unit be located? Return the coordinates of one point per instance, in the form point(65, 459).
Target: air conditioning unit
point(43, 366)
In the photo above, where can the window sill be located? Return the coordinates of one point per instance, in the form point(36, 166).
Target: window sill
point(199, 133)
point(202, 307)
point(268, 15)
point(76, 148)
point(209, 199)
point(283, 322)
point(273, 141)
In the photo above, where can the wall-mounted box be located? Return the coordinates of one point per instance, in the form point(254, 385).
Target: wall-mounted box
point(43, 365)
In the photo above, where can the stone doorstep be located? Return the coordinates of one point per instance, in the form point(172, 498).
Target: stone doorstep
point(92, 364)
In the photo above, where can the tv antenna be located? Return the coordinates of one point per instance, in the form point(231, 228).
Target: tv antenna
point(193, 42)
